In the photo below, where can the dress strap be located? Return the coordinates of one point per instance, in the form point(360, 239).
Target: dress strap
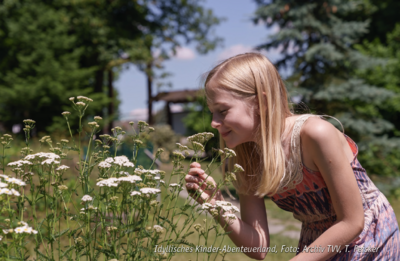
point(294, 167)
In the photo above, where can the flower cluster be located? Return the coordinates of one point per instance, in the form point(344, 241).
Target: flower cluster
point(25, 229)
point(201, 137)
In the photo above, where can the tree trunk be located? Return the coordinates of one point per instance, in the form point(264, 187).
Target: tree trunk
point(149, 94)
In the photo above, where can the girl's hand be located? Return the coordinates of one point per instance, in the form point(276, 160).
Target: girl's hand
point(197, 181)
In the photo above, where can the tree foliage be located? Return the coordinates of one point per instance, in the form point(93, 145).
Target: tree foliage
point(51, 50)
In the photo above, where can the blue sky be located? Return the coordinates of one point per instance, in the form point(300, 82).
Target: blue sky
point(239, 34)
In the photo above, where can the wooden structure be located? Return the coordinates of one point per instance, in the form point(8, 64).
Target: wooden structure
point(183, 96)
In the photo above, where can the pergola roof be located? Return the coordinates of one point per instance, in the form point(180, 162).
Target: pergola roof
point(182, 96)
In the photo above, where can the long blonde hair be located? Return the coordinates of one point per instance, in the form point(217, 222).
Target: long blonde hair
point(248, 75)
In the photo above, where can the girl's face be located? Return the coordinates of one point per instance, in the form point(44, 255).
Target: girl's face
point(236, 119)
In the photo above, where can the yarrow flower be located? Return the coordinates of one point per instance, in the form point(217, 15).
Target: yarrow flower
point(50, 162)
point(135, 193)
point(104, 165)
point(197, 146)
point(226, 206)
point(83, 98)
point(182, 147)
point(62, 167)
point(149, 191)
point(111, 182)
point(87, 198)
point(237, 168)
point(174, 185)
point(229, 153)
point(159, 229)
point(207, 206)
point(19, 163)
point(130, 178)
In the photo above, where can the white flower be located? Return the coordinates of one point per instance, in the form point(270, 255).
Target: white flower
point(128, 164)
point(229, 153)
point(4, 176)
point(16, 181)
point(131, 179)
point(229, 216)
point(111, 182)
point(62, 167)
point(30, 157)
point(158, 228)
point(1, 237)
point(19, 163)
point(120, 160)
point(48, 155)
point(104, 165)
point(135, 193)
point(84, 98)
point(207, 206)
point(24, 229)
point(9, 192)
point(237, 168)
point(50, 162)
point(6, 231)
point(80, 104)
point(87, 198)
point(109, 160)
point(3, 185)
point(174, 185)
point(150, 190)
point(162, 181)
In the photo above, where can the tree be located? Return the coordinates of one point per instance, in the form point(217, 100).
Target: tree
point(51, 50)
point(317, 40)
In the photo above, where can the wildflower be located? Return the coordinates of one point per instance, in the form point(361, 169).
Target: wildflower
point(207, 206)
point(83, 98)
point(87, 198)
point(3, 185)
point(50, 162)
point(92, 124)
point(130, 178)
point(138, 142)
point(135, 193)
point(229, 153)
point(214, 212)
point(62, 187)
point(112, 228)
point(113, 198)
point(151, 129)
point(143, 123)
point(210, 184)
point(131, 123)
point(72, 98)
point(158, 229)
point(6, 231)
point(178, 156)
point(237, 168)
point(120, 160)
point(9, 192)
point(98, 118)
point(181, 147)
point(128, 164)
point(153, 203)
point(81, 104)
point(62, 167)
point(16, 181)
point(197, 227)
point(104, 165)
point(78, 240)
point(150, 190)
point(229, 216)
point(111, 182)
point(66, 114)
point(162, 181)
point(29, 121)
point(19, 163)
point(229, 176)
point(1, 237)
point(197, 146)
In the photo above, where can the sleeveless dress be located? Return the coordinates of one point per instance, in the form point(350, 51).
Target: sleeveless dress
point(306, 195)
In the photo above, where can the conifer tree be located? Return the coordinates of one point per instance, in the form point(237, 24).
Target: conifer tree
point(317, 39)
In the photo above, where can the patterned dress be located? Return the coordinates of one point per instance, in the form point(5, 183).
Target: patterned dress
point(307, 197)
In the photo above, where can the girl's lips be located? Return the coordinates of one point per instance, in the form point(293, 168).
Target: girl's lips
point(224, 134)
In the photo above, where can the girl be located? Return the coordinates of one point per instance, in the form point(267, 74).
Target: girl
point(302, 162)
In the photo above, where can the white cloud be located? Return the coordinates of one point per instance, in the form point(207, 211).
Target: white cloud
point(235, 50)
point(138, 114)
point(184, 53)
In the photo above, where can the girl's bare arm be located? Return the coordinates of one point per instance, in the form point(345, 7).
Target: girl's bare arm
point(249, 232)
point(322, 142)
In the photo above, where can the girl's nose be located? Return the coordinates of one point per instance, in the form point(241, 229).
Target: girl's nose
point(214, 123)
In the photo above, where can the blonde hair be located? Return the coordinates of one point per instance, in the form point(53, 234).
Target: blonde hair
point(252, 74)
